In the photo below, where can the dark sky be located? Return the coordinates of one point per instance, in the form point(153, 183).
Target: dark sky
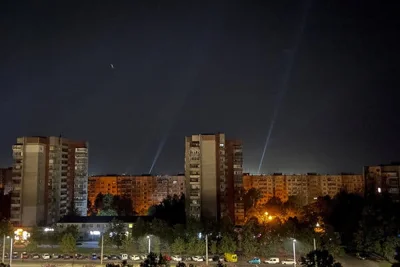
point(188, 67)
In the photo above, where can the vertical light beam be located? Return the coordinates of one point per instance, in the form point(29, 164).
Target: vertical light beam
point(286, 78)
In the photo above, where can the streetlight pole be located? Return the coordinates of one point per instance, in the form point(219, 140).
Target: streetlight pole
point(4, 248)
point(11, 250)
point(315, 253)
point(102, 249)
point(206, 249)
point(148, 237)
point(294, 251)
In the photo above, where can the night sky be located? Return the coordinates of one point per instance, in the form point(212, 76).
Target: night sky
point(330, 69)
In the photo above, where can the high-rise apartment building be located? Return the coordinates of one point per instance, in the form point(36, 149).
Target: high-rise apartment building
point(305, 187)
point(213, 167)
point(234, 160)
point(383, 179)
point(49, 179)
point(6, 180)
point(144, 190)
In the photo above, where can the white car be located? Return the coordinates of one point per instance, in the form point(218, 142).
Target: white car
point(272, 261)
point(197, 258)
point(143, 257)
point(46, 256)
point(176, 258)
point(288, 262)
point(123, 256)
point(134, 258)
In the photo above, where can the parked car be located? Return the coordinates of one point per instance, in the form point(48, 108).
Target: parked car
point(94, 256)
point(123, 256)
point(134, 258)
point(143, 257)
point(46, 256)
point(272, 261)
point(176, 258)
point(230, 257)
point(79, 257)
point(288, 262)
point(255, 260)
point(56, 256)
point(197, 258)
point(67, 257)
point(24, 255)
point(113, 257)
point(15, 255)
point(35, 256)
point(167, 257)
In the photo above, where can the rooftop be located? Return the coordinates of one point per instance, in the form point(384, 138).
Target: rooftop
point(102, 219)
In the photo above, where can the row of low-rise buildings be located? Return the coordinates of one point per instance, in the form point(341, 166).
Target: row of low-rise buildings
point(306, 187)
point(144, 190)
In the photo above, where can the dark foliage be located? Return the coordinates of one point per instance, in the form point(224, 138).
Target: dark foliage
point(170, 210)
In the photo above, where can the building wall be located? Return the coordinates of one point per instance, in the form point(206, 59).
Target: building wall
point(43, 179)
point(213, 169)
point(144, 191)
point(307, 188)
point(234, 159)
point(383, 179)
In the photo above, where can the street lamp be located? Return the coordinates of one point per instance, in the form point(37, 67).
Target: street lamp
point(294, 251)
point(102, 249)
point(11, 250)
point(149, 238)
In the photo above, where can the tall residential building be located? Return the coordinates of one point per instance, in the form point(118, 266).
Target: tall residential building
point(234, 159)
point(144, 190)
point(49, 177)
point(305, 187)
point(383, 179)
point(6, 180)
point(212, 168)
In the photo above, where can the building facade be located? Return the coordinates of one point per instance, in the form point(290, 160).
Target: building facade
point(305, 187)
point(234, 167)
point(383, 179)
point(213, 167)
point(144, 190)
point(46, 172)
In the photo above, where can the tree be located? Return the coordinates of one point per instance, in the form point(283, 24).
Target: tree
point(70, 229)
point(116, 232)
point(213, 248)
point(37, 235)
point(171, 210)
point(127, 244)
point(68, 244)
point(251, 198)
point(178, 246)
point(227, 245)
point(140, 228)
point(32, 246)
point(322, 257)
point(249, 243)
point(6, 228)
point(73, 211)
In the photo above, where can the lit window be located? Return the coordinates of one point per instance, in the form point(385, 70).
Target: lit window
point(221, 145)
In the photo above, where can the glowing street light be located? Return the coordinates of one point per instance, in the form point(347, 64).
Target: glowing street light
point(149, 238)
point(294, 251)
point(270, 218)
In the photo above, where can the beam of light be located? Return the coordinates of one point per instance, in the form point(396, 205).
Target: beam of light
point(196, 63)
point(291, 54)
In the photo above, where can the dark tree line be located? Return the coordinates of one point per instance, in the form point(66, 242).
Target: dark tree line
point(111, 205)
point(170, 210)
